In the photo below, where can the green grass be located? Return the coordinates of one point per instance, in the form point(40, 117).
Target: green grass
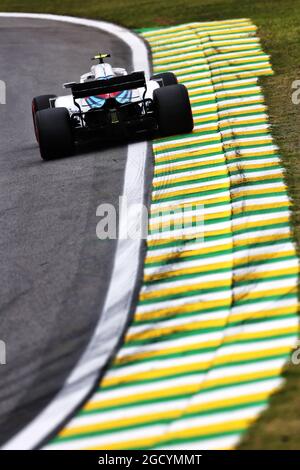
point(279, 30)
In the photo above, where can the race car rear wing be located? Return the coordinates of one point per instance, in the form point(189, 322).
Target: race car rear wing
point(99, 87)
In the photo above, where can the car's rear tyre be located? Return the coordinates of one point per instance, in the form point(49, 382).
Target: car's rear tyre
point(39, 103)
point(165, 79)
point(173, 110)
point(54, 133)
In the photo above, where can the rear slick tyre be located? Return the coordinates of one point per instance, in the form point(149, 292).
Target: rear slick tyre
point(39, 103)
point(54, 133)
point(173, 110)
point(165, 79)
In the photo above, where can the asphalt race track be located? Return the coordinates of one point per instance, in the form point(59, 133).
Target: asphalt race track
point(54, 271)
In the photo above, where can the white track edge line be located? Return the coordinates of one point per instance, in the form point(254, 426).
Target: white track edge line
point(126, 264)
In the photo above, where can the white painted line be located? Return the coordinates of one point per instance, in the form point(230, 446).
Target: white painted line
point(114, 317)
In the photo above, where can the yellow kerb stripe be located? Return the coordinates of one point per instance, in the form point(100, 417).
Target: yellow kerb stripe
point(191, 325)
point(193, 366)
point(175, 413)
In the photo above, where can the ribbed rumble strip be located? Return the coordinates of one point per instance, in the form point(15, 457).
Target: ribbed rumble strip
point(216, 318)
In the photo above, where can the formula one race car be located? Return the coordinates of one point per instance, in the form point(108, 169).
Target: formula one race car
point(110, 105)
